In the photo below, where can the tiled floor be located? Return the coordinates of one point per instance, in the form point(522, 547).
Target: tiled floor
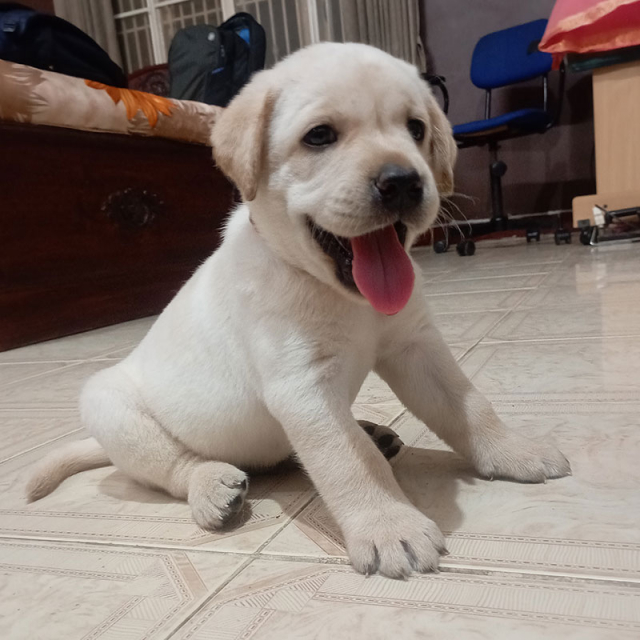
point(550, 334)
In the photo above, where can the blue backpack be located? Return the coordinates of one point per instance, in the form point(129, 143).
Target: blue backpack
point(211, 64)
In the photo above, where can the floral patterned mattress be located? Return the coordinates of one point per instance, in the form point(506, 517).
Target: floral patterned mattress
point(30, 95)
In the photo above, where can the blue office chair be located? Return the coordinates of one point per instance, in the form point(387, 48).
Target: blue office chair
point(500, 59)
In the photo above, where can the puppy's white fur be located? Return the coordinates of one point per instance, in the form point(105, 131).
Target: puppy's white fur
point(263, 351)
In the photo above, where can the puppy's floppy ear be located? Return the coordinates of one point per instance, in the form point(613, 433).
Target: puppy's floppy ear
point(239, 136)
point(442, 148)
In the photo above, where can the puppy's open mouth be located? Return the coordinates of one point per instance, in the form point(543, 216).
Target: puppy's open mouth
point(375, 264)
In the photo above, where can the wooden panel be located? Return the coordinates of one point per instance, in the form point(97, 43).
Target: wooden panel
point(583, 205)
point(99, 228)
point(616, 103)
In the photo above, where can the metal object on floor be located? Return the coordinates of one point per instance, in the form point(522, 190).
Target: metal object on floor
point(611, 226)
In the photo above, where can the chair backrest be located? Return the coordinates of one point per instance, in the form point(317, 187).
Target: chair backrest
point(509, 56)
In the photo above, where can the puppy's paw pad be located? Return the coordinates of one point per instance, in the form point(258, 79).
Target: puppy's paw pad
point(217, 493)
point(386, 439)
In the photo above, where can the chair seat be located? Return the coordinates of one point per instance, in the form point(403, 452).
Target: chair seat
point(523, 120)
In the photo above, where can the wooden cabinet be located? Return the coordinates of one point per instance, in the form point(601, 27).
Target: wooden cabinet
point(99, 228)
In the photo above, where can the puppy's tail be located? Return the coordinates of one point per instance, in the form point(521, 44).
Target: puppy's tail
point(49, 472)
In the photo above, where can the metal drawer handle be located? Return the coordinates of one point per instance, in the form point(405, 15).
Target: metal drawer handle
point(132, 208)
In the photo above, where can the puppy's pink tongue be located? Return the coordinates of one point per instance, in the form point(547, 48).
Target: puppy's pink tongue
point(382, 270)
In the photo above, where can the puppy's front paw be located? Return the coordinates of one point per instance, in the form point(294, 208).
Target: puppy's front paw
point(514, 457)
point(216, 493)
point(394, 541)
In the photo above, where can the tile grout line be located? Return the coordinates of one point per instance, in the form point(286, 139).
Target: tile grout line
point(444, 567)
point(208, 599)
point(254, 556)
point(65, 364)
point(496, 341)
point(38, 446)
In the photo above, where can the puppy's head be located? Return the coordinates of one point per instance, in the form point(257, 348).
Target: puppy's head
point(342, 153)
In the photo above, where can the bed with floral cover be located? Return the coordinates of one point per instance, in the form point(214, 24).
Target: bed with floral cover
point(109, 199)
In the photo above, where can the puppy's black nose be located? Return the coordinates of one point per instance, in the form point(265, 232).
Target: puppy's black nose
point(398, 188)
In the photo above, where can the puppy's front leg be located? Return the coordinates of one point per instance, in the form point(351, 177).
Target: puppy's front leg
point(428, 381)
point(382, 530)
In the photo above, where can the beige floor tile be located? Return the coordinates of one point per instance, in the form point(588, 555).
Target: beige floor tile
point(303, 601)
point(466, 325)
point(460, 349)
point(476, 301)
point(585, 525)
point(15, 372)
point(575, 321)
point(600, 269)
point(82, 346)
point(57, 591)
point(105, 506)
point(103, 557)
point(586, 370)
point(376, 402)
point(612, 295)
point(475, 284)
point(24, 430)
point(57, 389)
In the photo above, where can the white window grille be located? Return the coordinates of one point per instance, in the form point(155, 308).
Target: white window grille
point(145, 28)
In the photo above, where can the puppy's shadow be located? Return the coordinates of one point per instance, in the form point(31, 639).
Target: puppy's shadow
point(431, 478)
point(121, 487)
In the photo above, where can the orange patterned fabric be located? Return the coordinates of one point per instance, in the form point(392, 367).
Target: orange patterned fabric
point(43, 97)
point(135, 101)
point(589, 26)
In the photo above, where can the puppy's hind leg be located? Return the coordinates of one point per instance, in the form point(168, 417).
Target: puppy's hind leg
point(385, 438)
point(140, 447)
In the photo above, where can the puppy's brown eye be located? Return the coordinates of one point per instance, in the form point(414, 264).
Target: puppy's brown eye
point(320, 136)
point(416, 129)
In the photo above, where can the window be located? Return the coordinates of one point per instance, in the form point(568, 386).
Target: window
point(145, 28)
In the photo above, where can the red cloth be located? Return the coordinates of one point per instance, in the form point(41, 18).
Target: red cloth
point(583, 26)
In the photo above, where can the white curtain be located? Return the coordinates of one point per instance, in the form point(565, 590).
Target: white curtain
point(391, 25)
point(95, 18)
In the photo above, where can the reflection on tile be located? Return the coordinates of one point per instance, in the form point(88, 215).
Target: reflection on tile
point(613, 295)
point(483, 301)
point(24, 430)
point(576, 321)
point(104, 505)
point(55, 591)
point(300, 601)
point(588, 370)
point(601, 270)
point(587, 524)
point(83, 345)
point(484, 284)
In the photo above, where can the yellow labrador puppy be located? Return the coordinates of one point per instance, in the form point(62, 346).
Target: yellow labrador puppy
point(340, 153)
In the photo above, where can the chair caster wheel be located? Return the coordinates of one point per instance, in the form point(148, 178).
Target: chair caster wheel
point(533, 234)
point(466, 248)
point(440, 246)
point(585, 235)
point(562, 235)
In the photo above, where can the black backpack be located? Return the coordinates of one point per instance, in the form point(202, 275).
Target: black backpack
point(211, 64)
point(43, 41)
